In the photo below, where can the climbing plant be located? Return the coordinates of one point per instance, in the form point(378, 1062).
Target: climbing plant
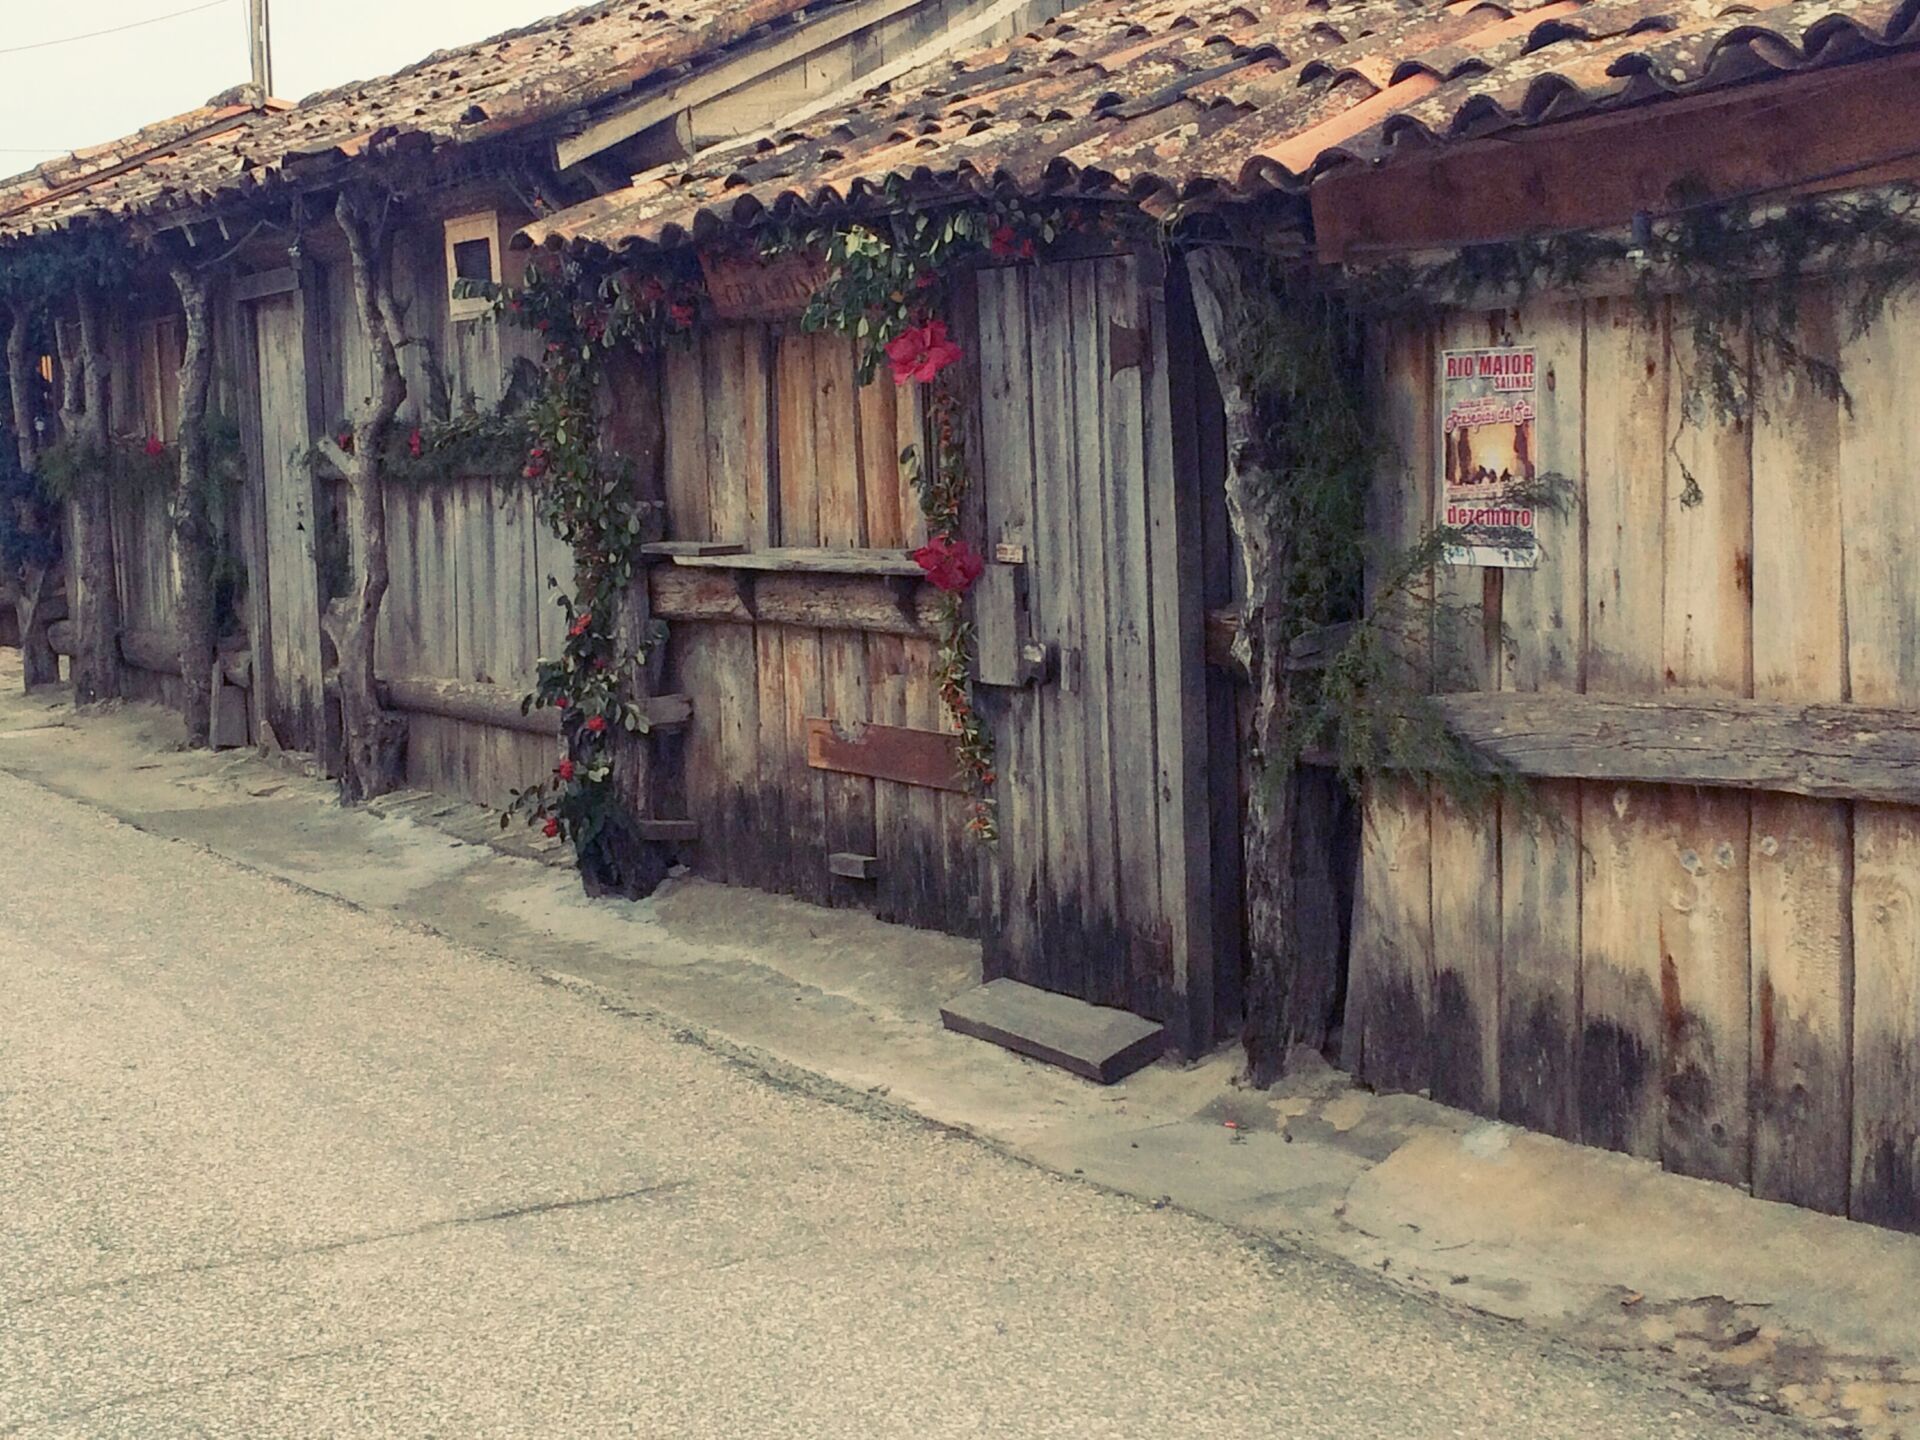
point(586, 315)
point(888, 285)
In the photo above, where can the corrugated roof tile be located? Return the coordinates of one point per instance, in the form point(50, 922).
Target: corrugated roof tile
point(1222, 102)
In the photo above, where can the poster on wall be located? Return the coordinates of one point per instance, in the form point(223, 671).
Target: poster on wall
point(1488, 444)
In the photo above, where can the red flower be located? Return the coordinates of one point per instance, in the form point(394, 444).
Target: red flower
point(565, 770)
point(924, 280)
point(952, 565)
point(550, 829)
point(681, 314)
point(1005, 244)
point(560, 702)
point(921, 353)
point(415, 444)
point(581, 625)
point(155, 446)
point(596, 723)
point(652, 289)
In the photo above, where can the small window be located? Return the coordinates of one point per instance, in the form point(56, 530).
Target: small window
point(473, 255)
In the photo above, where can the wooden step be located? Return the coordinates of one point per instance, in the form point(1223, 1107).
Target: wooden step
point(1091, 1040)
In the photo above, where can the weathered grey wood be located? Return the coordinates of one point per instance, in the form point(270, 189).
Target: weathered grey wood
point(1169, 656)
point(849, 866)
point(1017, 875)
point(1098, 1042)
point(805, 559)
point(1058, 961)
point(498, 706)
point(692, 549)
point(155, 651)
point(226, 713)
point(825, 602)
point(266, 284)
point(292, 697)
point(1859, 752)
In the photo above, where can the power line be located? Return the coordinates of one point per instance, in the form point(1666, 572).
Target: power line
point(112, 30)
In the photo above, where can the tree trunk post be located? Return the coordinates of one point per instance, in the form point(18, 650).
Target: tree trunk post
point(1279, 1015)
point(192, 531)
point(96, 591)
point(374, 739)
point(37, 583)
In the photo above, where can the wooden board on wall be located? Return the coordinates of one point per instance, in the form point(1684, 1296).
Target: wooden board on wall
point(1388, 1039)
point(1544, 614)
point(1800, 861)
point(1621, 1097)
point(1466, 877)
point(1880, 526)
point(1707, 649)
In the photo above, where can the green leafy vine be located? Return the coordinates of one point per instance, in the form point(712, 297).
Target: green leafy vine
point(585, 316)
point(888, 285)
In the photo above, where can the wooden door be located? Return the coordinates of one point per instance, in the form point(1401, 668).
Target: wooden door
point(1099, 881)
point(289, 665)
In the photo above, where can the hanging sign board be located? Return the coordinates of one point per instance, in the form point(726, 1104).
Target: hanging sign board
point(1488, 442)
point(748, 288)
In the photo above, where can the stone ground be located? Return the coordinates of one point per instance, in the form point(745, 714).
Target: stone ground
point(1431, 1212)
point(277, 1166)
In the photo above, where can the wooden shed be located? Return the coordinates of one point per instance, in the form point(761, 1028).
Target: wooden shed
point(1656, 943)
point(467, 145)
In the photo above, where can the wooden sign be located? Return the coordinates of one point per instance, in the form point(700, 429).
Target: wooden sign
point(742, 288)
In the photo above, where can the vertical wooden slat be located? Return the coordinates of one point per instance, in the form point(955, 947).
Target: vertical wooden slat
point(1102, 920)
point(1544, 610)
point(1621, 1090)
point(1880, 525)
point(1708, 648)
point(1059, 620)
point(1175, 520)
point(843, 655)
point(1466, 880)
point(805, 852)
point(689, 514)
point(1390, 994)
point(1011, 936)
point(293, 686)
point(1148, 778)
point(1801, 859)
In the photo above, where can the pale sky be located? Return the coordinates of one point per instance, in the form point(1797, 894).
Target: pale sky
point(63, 97)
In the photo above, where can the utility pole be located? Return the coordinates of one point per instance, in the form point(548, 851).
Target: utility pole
point(260, 46)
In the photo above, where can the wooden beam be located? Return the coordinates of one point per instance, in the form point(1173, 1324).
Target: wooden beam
point(1801, 133)
point(499, 705)
point(928, 758)
point(794, 43)
point(1839, 752)
point(266, 284)
point(791, 559)
point(849, 866)
point(884, 605)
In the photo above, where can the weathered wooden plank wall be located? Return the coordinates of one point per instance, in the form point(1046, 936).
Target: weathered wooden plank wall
point(146, 402)
point(771, 442)
point(1723, 981)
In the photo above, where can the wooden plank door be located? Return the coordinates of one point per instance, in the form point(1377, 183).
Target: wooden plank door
point(1099, 883)
point(291, 673)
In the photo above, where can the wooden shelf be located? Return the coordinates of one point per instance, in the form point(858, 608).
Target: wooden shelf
point(792, 560)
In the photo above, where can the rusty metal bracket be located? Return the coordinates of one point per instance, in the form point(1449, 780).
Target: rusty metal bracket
point(1126, 347)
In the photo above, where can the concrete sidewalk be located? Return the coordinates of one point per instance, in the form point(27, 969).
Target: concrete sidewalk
point(1789, 1311)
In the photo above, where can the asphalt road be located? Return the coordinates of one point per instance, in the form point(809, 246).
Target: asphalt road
point(270, 1166)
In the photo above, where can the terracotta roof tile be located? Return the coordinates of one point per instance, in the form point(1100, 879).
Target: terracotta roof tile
point(1204, 101)
point(508, 83)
